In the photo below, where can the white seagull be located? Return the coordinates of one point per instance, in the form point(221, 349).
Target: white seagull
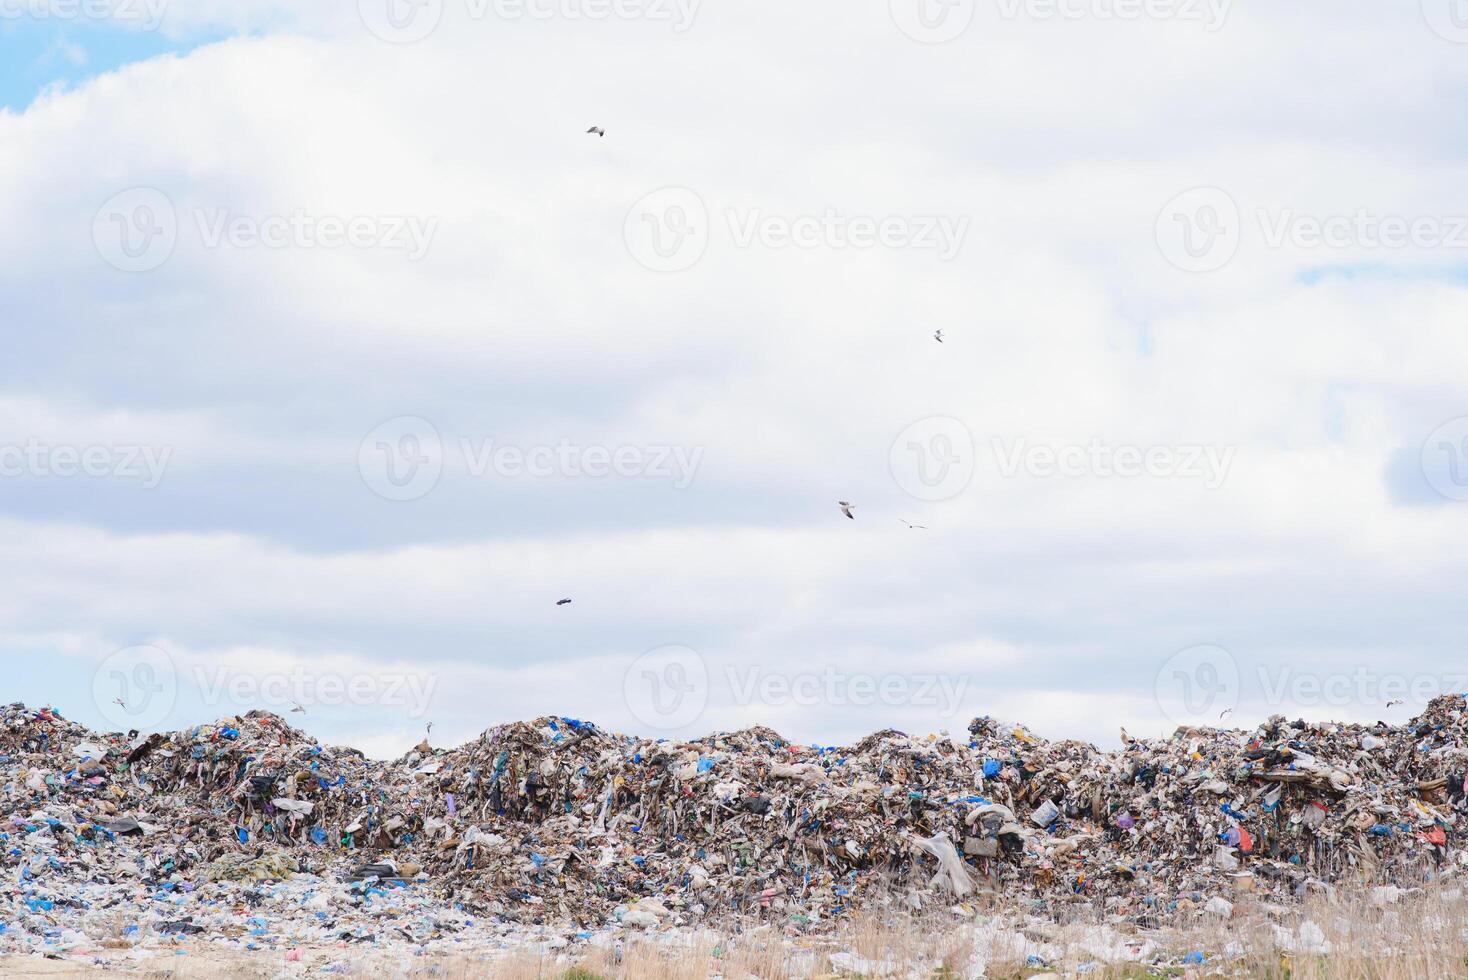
point(846, 508)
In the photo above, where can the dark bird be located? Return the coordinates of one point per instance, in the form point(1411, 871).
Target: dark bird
point(938, 336)
point(1394, 702)
point(846, 508)
point(563, 602)
point(597, 130)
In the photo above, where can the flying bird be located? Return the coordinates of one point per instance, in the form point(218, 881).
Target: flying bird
point(119, 703)
point(938, 336)
point(597, 130)
point(296, 709)
point(1394, 702)
point(846, 508)
point(1225, 713)
point(912, 526)
point(563, 602)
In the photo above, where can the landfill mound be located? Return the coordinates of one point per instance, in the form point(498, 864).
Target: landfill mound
point(557, 821)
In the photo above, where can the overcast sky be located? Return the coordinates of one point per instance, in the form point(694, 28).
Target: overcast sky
point(336, 351)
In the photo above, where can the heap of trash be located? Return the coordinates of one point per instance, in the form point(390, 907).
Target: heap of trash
point(249, 829)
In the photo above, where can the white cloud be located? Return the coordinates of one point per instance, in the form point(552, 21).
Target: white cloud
point(528, 321)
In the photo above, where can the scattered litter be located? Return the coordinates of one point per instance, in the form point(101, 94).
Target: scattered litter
point(248, 831)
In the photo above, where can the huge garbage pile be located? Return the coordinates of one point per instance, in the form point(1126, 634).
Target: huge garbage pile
point(558, 821)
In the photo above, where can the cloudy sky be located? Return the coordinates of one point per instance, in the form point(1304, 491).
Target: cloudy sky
point(336, 352)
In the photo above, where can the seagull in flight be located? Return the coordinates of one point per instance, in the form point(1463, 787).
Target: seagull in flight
point(119, 703)
point(913, 527)
point(296, 708)
point(1225, 713)
point(1394, 702)
point(938, 336)
point(846, 508)
point(597, 130)
point(563, 602)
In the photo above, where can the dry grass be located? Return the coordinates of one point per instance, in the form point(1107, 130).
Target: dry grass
point(1425, 935)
